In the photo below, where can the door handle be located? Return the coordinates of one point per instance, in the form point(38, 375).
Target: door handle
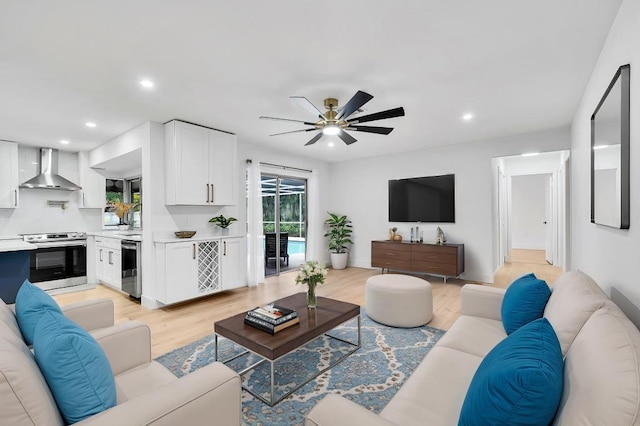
point(545, 222)
point(207, 193)
point(194, 251)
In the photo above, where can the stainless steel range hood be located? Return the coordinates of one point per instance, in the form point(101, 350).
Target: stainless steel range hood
point(49, 177)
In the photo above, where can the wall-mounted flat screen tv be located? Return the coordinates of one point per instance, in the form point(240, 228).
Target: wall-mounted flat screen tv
point(423, 199)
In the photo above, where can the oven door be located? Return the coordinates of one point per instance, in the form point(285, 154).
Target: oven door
point(58, 261)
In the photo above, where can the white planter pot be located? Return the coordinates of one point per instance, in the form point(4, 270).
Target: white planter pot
point(339, 260)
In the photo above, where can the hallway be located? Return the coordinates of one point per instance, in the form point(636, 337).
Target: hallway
point(523, 261)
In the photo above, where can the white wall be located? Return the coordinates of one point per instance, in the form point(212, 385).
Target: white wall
point(609, 255)
point(360, 190)
point(528, 211)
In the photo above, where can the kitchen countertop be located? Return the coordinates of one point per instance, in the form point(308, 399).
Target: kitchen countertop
point(15, 245)
point(171, 238)
point(133, 235)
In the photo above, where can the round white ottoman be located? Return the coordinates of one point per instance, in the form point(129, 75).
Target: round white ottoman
point(398, 300)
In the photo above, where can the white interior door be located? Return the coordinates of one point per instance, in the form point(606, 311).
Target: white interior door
point(549, 220)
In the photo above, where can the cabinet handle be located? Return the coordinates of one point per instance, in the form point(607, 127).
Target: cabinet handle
point(194, 251)
point(110, 258)
point(212, 193)
point(84, 203)
point(224, 244)
point(207, 193)
point(15, 197)
point(100, 255)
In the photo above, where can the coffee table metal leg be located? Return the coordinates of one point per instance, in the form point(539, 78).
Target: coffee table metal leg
point(273, 396)
point(215, 346)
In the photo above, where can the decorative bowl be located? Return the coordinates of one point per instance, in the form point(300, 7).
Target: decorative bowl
point(185, 234)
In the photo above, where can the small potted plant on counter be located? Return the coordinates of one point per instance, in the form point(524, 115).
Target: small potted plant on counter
point(339, 235)
point(223, 222)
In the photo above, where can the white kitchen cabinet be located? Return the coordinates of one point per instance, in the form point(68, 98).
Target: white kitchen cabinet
point(93, 192)
point(9, 180)
point(198, 268)
point(200, 165)
point(109, 261)
point(232, 266)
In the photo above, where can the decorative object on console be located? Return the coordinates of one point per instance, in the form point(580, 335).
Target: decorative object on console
point(223, 222)
point(440, 238)
point(335, 121)
point(339, 235)
point(185, 234)
point(312, 274)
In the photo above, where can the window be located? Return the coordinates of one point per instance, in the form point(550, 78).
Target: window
point(124, 198)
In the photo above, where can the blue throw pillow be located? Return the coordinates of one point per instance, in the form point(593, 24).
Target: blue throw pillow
point(519, 382)
point(31, 304)
point(75, 367)
point(523, 302)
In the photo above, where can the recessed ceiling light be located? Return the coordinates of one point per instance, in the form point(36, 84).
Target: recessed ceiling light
point(530, 154)
point(147, 84)
point(468, 116)
point(330, 144)
point(90, 124)
point(64, 142)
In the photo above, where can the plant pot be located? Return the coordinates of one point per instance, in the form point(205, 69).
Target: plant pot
point(339, 260)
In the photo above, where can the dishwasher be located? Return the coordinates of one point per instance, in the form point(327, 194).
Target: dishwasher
point(131, 270)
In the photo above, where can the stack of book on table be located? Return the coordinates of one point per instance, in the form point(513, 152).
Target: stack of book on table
point(271, 318)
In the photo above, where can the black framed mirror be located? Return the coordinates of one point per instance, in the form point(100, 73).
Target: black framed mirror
point(610, 154)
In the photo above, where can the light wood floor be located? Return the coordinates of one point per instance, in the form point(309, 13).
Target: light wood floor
point(177, 325)
point(523, 261)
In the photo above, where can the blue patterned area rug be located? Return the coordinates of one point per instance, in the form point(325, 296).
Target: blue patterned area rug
point(369, 377)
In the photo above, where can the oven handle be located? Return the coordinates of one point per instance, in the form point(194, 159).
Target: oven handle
point(61, 244)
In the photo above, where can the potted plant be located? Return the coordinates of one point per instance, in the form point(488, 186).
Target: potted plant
point(339, 235)
point(223, 222)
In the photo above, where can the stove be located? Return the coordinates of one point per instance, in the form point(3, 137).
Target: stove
point(59, 260)
point(61, 236)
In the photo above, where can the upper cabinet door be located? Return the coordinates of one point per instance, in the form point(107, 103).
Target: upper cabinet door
point(222, 159)
point(187, 164)
point(9, 175)
point(200, 165)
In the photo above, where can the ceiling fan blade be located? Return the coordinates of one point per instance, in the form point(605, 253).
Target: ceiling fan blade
point(263, 117)
point(390, 113)
point(315, 139)
point(359, 99)
point(293, 131)
point(371, 129)
point(306, 104)
point(346, 137)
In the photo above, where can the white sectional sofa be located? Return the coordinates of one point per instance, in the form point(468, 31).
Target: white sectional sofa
point(601, 348)
point(147, 393)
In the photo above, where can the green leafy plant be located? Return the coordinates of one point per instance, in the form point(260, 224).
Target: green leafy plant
point(339, 233)
point(223, 222)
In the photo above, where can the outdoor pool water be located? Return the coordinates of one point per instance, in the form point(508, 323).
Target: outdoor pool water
point(296, 246)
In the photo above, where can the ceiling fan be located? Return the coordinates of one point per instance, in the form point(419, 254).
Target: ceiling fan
point(336, 120)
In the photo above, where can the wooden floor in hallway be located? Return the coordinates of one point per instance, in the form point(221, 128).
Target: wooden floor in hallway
point(523, 261)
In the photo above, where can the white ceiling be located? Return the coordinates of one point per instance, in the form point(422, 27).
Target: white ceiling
point(517, 65)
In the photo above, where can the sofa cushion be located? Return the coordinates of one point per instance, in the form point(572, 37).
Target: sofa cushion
point(75, 367)
point(574, 298)
point(602, 372)
point(473, 335)
point(31, 303)
point(523, 302)
point(8, 320)
point(519, 382)
point(26, 399)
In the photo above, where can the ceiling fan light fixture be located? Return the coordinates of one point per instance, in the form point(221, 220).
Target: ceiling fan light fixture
point(331, 129)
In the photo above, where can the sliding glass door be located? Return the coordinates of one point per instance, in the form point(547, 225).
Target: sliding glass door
point(284, 211)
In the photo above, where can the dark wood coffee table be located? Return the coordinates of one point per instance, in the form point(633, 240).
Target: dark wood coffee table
point(314, 323)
